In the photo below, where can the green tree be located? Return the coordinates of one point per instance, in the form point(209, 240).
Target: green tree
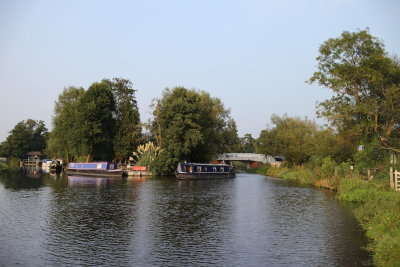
point(190, 125)
point(218, 129)
point(177, 125)
point(247, 144)
point(65, 139)
point(29, 135)
point(128, 130)
point(296, 139)
point(366, 86)
point(97, 123)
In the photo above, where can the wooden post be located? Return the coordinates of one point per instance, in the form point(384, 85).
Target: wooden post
point(397, 180)
point(391, 178)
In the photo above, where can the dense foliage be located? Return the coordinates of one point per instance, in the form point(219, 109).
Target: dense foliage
point(127, 118)
point(29, 135)
point(298, 140)
point(101, 123)
point(366, 86)
point(190, 125)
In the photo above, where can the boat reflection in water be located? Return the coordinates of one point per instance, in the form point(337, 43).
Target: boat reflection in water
point(86, 180)
point(35, 172)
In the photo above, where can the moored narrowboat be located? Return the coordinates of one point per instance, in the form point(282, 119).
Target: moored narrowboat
point(94, 169)
point(204, 171)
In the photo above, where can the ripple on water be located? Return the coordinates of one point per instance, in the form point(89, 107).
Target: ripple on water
point(251, 220)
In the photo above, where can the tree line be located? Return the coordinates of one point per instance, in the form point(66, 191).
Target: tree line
point(103, 122)
point(364, 111)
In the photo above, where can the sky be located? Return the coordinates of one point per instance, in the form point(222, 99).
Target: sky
point(255, 55)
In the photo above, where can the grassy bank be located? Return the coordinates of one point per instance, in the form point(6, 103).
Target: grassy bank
point(3, 166)
point(379, 214)
point(379, 210)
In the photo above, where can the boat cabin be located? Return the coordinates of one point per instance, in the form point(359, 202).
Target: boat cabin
point(92, 166)
point(203, 168)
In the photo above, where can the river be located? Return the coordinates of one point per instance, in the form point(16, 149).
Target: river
point(251, 220)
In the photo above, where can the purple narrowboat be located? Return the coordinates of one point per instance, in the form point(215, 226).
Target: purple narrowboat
point(94, 169)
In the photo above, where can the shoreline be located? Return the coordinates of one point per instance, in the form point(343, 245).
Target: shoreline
point(378, 213)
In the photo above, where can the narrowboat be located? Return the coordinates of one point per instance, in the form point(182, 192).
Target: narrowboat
point(94, 169)
point(204, 171)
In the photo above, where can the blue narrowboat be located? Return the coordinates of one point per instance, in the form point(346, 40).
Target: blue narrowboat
point(94, 169)
point(192, 171)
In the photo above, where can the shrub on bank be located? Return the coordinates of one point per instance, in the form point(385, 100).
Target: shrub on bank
point(259, 170)
point(13, 163)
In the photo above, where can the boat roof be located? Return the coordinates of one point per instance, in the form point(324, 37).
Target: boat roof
point(207, 164)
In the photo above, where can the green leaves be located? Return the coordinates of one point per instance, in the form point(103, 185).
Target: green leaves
point(190, 125)
point(298, 140)
point(29, 135)
point(100, 123)
point(366, 84)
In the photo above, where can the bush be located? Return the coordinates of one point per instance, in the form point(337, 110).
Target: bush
point(302, 174)
point(238, 165)
point(343, 170)
point(13, 163)
point(328, 167)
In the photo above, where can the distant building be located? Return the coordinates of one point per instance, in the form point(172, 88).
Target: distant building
point(33, 158)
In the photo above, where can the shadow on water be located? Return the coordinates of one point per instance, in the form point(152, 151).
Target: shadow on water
point(22, 179)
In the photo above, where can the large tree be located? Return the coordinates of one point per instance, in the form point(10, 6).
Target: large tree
point(128, 129)
point(101, 123)
point(366, 87)
point(97, 123)
point(190, 125)
point(29, 135)
point(65, 139)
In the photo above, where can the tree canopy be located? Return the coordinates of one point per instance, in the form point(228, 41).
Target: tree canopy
point(190, 125)
point(101, 123)
point(29, 135)
point(366, 86)
point(128, 133)
point(297, 139)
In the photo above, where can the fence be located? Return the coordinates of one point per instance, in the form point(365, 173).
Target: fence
point(395, 179)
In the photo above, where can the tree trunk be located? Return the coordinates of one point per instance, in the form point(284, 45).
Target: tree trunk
point(356, 96)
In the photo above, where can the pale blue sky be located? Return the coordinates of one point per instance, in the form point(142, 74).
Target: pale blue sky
point(254, 55)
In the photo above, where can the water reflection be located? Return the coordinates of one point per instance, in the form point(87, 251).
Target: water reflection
point(247, 221)
point(89, 222)
point(20, 180)
point(86, 180)
point(185, 225)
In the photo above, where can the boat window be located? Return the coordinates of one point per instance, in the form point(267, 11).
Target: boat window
point(214, 169)
point(222, 169)
point(198, 168)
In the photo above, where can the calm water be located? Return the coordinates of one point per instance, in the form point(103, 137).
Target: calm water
point(251, 220)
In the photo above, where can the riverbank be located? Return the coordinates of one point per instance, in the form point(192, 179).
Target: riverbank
point(378, 212)
point(3, 166)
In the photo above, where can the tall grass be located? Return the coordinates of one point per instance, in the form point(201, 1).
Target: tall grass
point(379, 215)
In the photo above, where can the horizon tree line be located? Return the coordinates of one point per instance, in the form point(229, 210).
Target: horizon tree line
point(103, 122)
